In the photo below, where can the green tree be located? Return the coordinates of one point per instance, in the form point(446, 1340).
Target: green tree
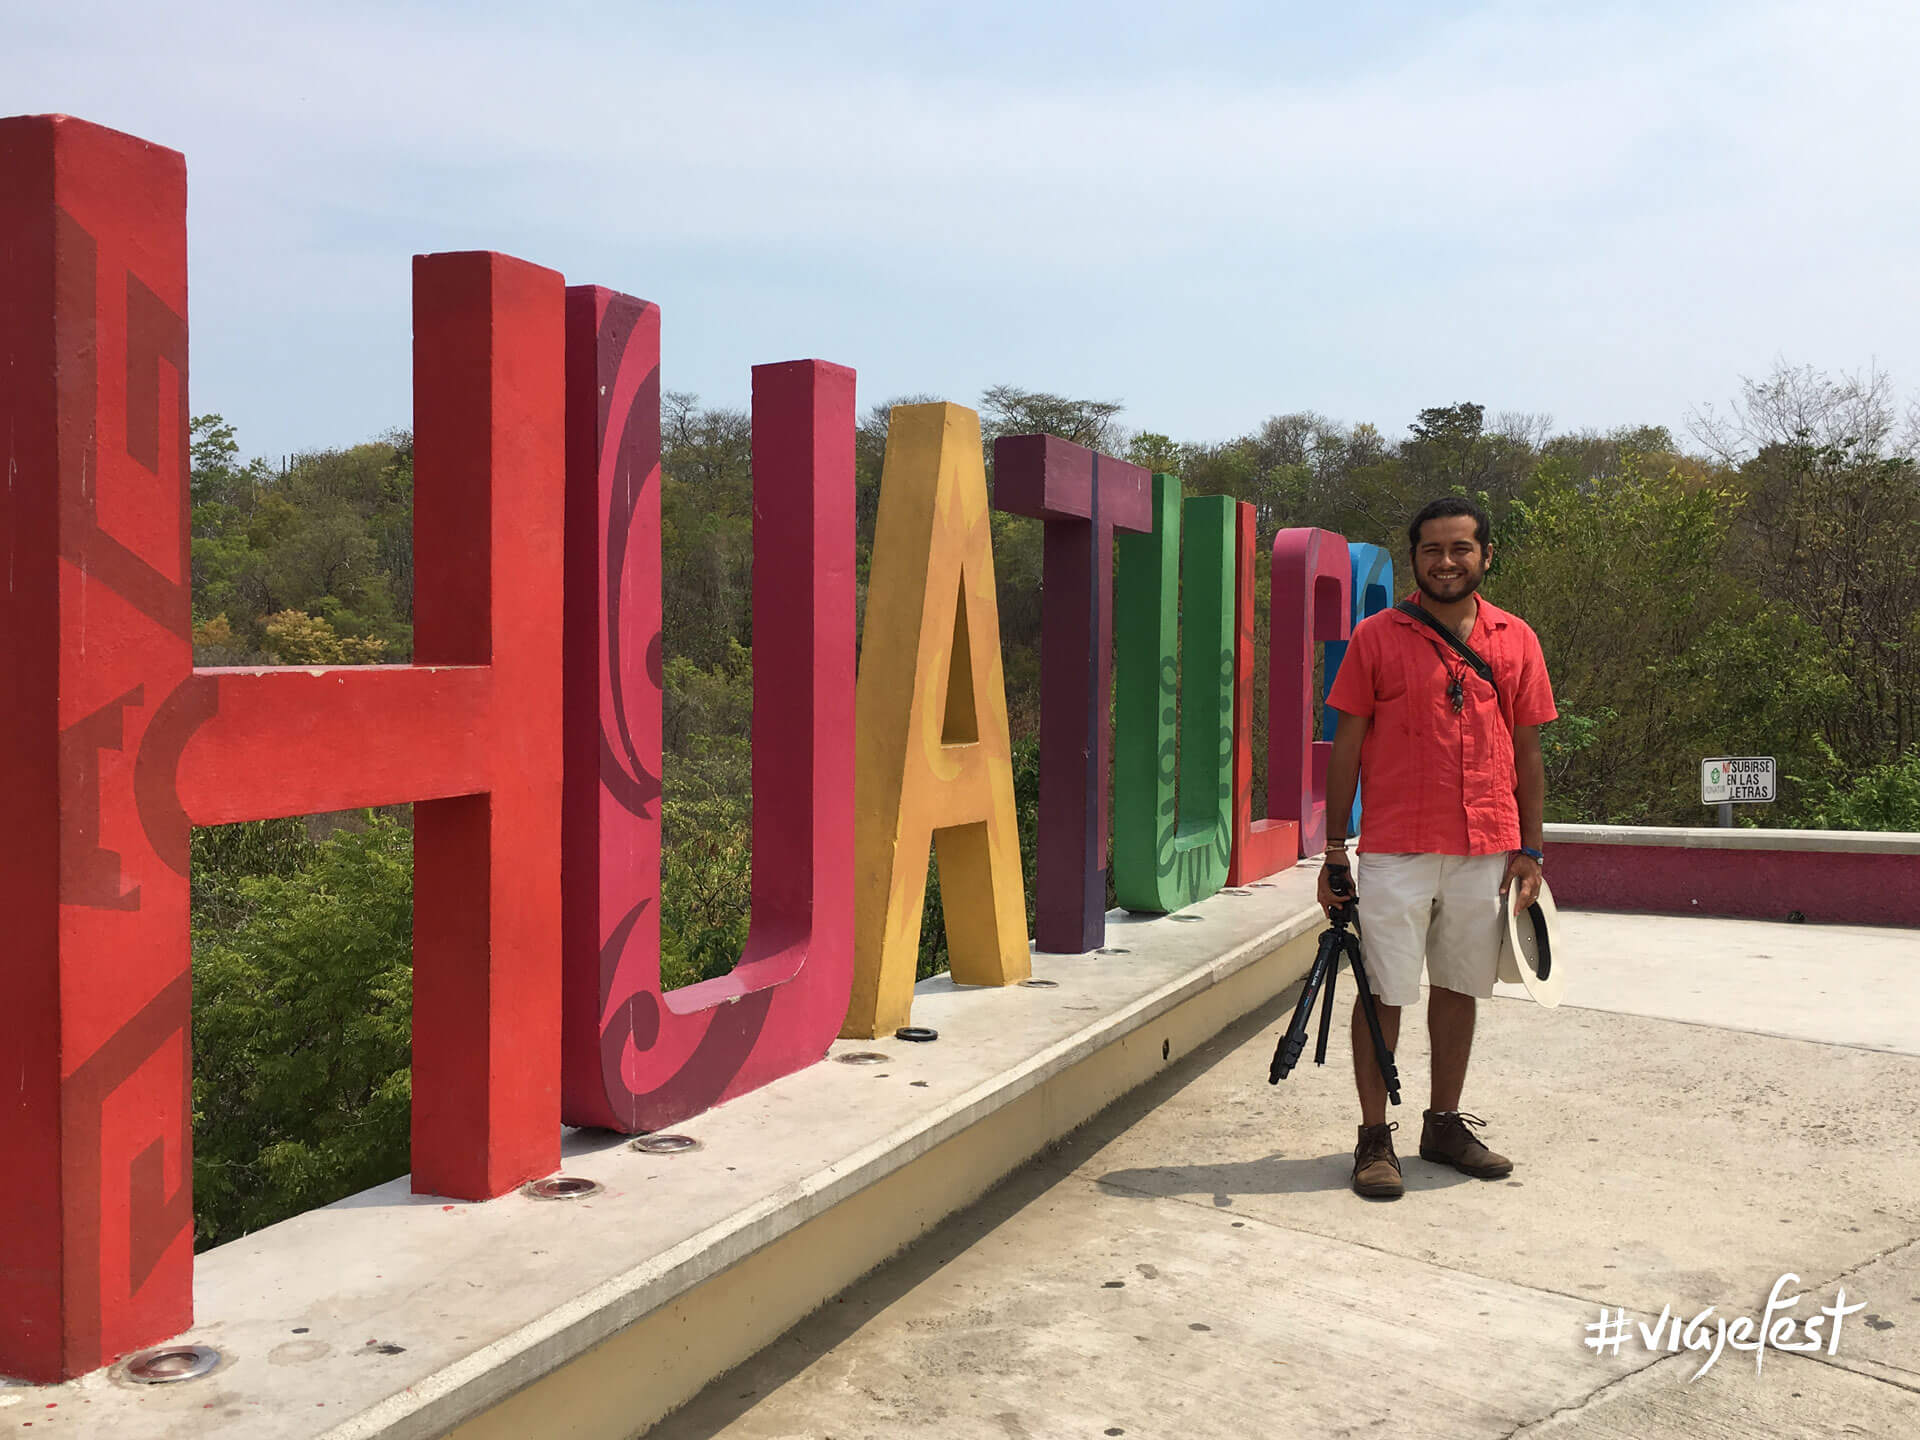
point(1155, 452)
point(303, 988)
point(1660, 652)
point(330, 537)
point(1881, 797)
point(1011, 410)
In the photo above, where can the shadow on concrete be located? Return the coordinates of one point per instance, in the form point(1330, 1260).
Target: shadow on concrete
point(733, 1394)
point(1274, 1174)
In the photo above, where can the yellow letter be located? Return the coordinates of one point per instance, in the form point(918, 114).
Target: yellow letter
point(934, 759)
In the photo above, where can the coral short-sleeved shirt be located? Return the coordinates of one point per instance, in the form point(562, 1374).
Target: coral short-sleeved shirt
point(1433, 782)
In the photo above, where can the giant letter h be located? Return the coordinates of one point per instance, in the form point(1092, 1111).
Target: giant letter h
point(112, 746)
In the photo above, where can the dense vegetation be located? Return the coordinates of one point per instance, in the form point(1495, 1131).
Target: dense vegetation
point(1755, 592)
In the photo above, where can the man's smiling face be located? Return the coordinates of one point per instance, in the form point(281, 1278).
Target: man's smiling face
point(1450, 562)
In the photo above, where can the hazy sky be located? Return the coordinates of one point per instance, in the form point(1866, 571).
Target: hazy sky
point(1212, 211)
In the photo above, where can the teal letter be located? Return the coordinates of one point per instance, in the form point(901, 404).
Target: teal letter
point(1372, 592)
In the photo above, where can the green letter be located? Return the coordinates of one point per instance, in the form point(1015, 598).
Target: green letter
point(1169, 853)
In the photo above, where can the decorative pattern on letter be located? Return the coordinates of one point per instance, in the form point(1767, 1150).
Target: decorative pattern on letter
point(638, 1058)
point(1260, 847)
point(112, 746)
point(1311, 576)
point(1172, 844)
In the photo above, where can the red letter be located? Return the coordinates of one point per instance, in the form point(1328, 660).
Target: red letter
point(1260, 847)
point(96, 1221)
point(1311, 576)
point(111, 746)
point(470, 730)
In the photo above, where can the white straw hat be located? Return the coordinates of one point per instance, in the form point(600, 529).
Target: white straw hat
point(1530, 950)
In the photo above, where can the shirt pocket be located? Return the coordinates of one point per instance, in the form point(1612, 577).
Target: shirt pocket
point(1390, 680)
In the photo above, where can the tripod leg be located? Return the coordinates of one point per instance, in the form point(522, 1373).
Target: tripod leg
point(1326, 1014)
point(1287, 1053)
point(1381, 1054)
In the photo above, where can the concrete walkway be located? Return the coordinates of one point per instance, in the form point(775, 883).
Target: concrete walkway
point(1719, 1103)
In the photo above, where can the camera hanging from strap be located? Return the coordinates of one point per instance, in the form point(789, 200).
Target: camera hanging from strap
point(1460, 647)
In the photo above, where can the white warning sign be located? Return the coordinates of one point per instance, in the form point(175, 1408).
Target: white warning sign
point(1737, 780)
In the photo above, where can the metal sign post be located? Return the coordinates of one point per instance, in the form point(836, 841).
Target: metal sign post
point(1727, 781)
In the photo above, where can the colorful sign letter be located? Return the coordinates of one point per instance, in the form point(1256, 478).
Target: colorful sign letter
point(96, 1220)
point(935, 761)
point(1260, 847)
point(1372, 592)
point(112, 747)
point(1082, 497)
point(1311, 578)
point(638, 1058)
point(1168, 852)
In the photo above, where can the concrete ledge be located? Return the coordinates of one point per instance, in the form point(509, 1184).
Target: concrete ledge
point(1828, 877)
point(396, 1315)
point(1853, 842)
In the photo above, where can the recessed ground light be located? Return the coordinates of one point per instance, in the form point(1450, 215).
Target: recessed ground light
point(562, 1187)
point(862, 1057)
point(664, 1144)
point(1237, 890)
point(171, 1364)
point(1113, 950)
point(1041, 984)
point(1187, 919)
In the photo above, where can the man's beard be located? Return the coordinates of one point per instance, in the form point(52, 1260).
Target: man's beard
point(1464, 588)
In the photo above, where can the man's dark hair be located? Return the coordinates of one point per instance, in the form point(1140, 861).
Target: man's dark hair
point(1445, 508)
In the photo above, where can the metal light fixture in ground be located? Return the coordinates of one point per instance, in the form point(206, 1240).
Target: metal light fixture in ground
point(665, 1144)
point(1113, 950)
point(1041, 984)
point(562, 1187)
point(863, 1057)
point(170, 1364)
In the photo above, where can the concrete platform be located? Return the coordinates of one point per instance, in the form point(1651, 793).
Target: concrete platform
point(1192, 1263)
point(1835, 984)
point(405, 1316)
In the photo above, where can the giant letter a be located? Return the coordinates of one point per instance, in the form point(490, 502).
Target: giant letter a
point(934, 755)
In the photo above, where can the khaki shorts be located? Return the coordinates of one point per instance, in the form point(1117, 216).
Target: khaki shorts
point(1440, 909)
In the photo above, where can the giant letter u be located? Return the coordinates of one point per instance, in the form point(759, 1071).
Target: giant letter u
point(1171, 841)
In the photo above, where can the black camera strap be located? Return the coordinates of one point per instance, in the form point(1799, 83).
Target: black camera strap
point(1460, 647)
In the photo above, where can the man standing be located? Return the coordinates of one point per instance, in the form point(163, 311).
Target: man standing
point(1454, 796)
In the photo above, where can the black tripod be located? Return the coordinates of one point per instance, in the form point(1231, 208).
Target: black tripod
point(1335, 941)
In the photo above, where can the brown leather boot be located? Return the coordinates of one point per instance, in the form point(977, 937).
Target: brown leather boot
point(1446, 1140)
point(1376, 1169)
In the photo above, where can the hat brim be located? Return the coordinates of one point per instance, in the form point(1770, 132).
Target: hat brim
point(1524, 937)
